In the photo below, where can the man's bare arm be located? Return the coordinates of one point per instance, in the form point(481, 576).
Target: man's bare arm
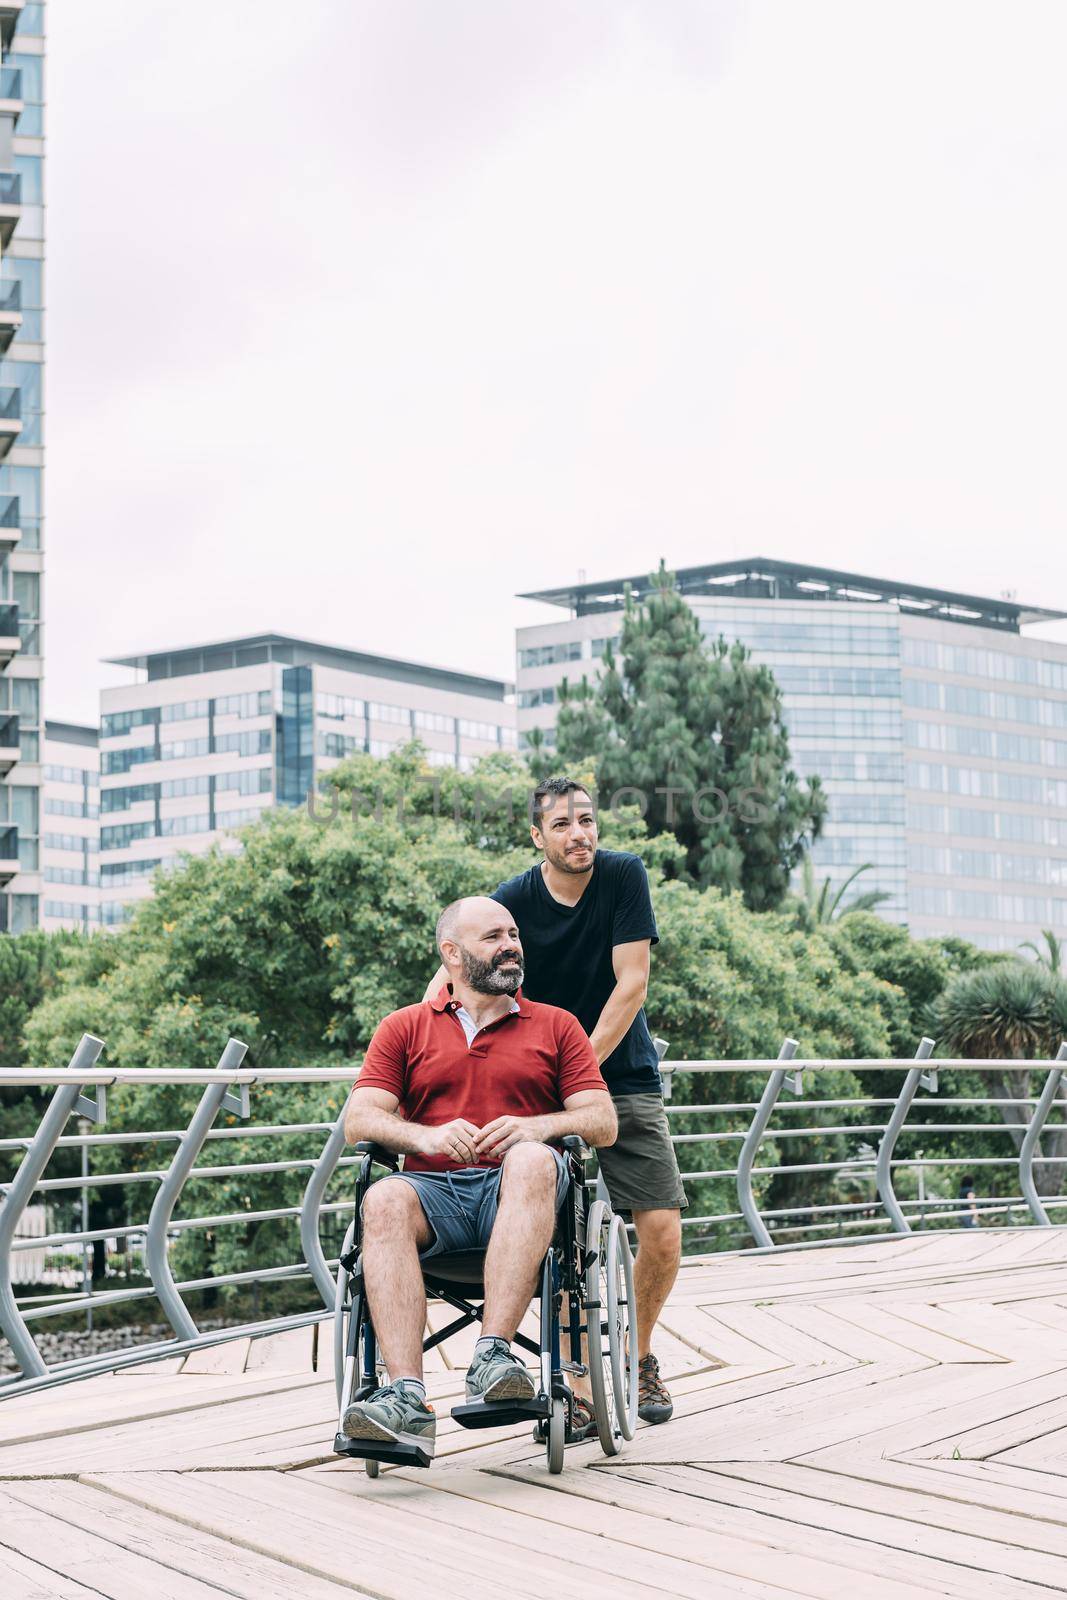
point(590, 1114)
point(631, 963)
point(371, 1116)
point(433, 988)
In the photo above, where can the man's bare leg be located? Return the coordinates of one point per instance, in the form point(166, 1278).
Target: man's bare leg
point(525, 1223)
point(394, 1231)
point(659, 1252)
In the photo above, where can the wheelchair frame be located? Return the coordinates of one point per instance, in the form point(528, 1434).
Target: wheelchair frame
point(588, 1260)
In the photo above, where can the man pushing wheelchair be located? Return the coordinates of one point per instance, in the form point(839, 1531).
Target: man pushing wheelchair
point(475, 1090)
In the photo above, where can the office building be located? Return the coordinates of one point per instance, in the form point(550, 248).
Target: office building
point(207, 739)
point(21, 458)
point(70, 827)
point(938, 726)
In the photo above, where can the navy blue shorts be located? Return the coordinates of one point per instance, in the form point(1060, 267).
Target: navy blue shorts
point(461, 1206)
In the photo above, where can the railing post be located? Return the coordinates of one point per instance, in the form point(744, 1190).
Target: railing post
point(884, 1168)
point(746, 1159)
point(67, 1098)
point(1030, 1142)
point(311, 1245)
point(192, 1141)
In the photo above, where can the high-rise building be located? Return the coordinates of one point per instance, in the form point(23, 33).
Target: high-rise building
point(22, 30)
point(208, 738)
point(938, 727)
point(70, 827)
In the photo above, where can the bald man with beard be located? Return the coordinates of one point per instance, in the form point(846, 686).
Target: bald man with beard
point(475, 1088)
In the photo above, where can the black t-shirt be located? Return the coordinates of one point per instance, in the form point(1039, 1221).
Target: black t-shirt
point(568, 953)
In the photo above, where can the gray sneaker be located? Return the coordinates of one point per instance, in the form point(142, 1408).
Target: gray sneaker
point(392, 1415)
point(495, 1374)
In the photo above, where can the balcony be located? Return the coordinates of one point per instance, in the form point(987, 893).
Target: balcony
point(10, 313)
point(9, 742)
point(10, 419)
point(10, 526)
point(9, 854)
point(10, 205)
point(10, 12)
point(10, 642)
point(10, 92)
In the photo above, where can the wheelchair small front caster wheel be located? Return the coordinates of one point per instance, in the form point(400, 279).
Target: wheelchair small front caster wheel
point(372, 1468)
point(556, 1434)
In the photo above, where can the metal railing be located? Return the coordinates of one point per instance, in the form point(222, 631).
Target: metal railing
point(81, 1090)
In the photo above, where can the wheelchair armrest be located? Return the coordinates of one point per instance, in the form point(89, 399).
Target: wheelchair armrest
point(378, 1154)
point(576, 1145)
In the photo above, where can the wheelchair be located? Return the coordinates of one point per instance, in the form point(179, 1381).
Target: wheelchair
point(588, 1262)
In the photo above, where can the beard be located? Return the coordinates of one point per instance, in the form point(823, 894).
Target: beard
point(565, 861)
point(485, 977)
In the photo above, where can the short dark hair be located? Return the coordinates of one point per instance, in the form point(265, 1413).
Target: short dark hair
point(549, 790)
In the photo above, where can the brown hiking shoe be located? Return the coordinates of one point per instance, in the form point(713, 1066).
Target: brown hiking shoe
point(654, 1404)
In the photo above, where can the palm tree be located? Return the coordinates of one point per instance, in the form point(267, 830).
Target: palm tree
point(820, 904)
point(1008, 1010)
point(1051, 958)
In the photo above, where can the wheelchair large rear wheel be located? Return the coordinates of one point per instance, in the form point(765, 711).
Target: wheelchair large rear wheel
point(598, 1329)
point(622, 1327)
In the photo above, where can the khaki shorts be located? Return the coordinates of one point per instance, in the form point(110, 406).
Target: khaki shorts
point(640, 1169)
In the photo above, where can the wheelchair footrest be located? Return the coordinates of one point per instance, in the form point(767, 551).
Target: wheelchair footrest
point(394, 1455)
point(499, 1413)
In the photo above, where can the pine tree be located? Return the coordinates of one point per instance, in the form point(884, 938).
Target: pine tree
point(697, 730)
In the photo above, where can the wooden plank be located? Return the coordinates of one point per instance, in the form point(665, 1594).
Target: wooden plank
point(385, 1548)
point(654, 1491)
point(883, 1320)
point(966, 1400)
point(849, 1514)
point(177, 1553)
point(760, 1325)
point(52, 1417)
point(89, 1559)
point(29, 1580)
point(227, 1357)
point(849, 1339)
point(908, 1502)
point(291, 1351)
point(711, 1339)
point(566, 1505)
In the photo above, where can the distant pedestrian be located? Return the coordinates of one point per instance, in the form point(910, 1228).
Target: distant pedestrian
point(967, 1198)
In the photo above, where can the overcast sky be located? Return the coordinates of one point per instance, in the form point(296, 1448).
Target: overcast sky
point(366, 314)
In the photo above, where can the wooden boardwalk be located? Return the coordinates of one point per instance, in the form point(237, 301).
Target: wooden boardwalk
point(873, 1422)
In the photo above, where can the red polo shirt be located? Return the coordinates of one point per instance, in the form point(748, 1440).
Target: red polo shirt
point(524, 1065)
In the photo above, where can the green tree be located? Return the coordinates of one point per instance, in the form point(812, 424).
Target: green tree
point(30, 971)
point(1051, 956)
point(697, 730)
point(821, 903)
point(1009, 1011)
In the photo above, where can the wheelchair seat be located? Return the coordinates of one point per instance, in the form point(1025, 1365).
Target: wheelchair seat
point(461, 1266)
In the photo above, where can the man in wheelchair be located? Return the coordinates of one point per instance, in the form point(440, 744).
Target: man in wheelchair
point(475, 1089)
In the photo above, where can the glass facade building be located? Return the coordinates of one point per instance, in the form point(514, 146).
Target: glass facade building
point(70, 827)
point(22, 43)
point(938, 727)
point(209, 738)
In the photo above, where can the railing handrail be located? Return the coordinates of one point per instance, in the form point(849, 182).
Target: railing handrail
point(29, 1077)
point(81, 1090)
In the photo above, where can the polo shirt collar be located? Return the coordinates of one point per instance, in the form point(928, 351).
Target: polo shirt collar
point(443, 1001)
